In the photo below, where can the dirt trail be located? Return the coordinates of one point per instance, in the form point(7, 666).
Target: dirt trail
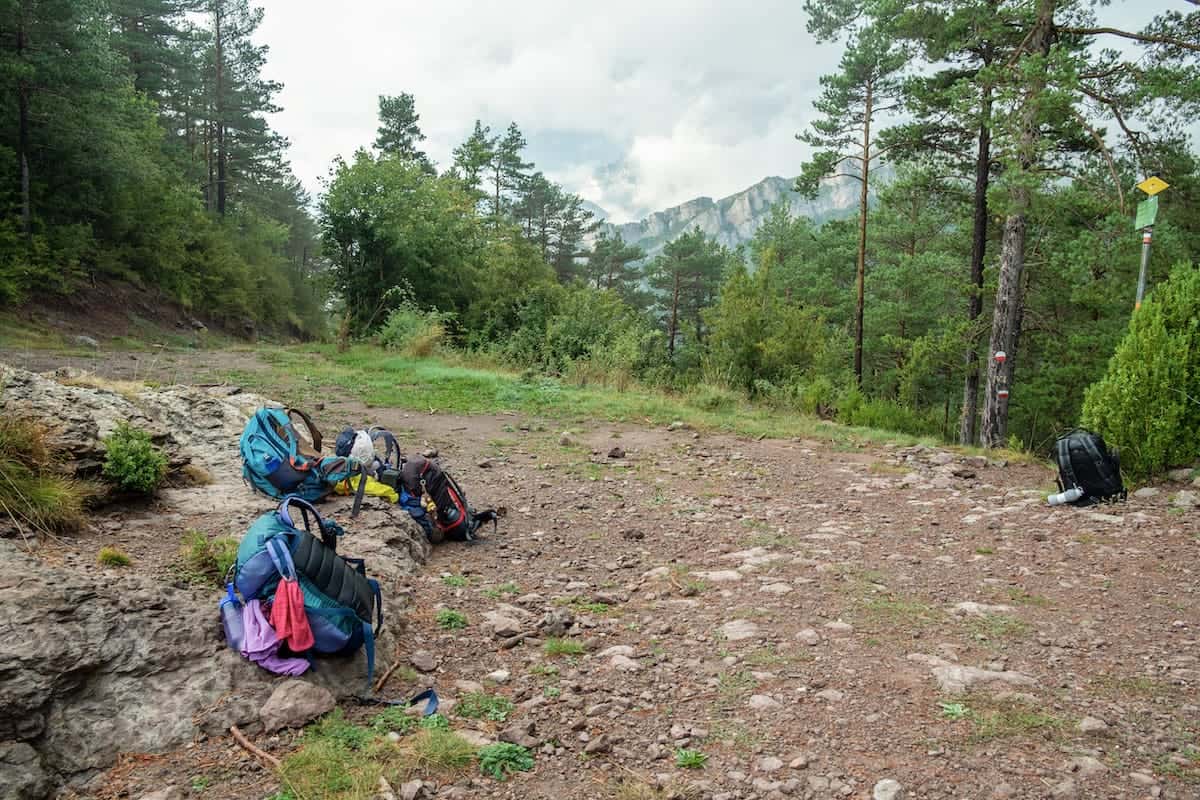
point(796, 612)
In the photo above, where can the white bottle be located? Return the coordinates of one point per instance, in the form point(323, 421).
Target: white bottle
point(1062, 498)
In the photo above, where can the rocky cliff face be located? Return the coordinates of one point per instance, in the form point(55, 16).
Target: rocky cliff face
point(734, 220)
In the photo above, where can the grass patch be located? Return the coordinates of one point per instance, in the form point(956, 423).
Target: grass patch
point(456, 581)
point(449, 619)
point(503, 759)
point(393, 719)
point(504, 589)
point(985, 551)
point(467, 385)
point(562, 647)
point(207, 560)
point(33, 495)
point(993, 719)
point(1023, 597)
point(690, 759)
point(898, 612)
point(997, 626)
point(481, 705)
point(732, 687)
point(112, 556)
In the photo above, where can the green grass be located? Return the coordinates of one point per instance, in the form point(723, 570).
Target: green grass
point(463, 385)
point(455, 581)
point(111, 556)
point(481, 705)
point(562, 647)
point(33, 493)
point(449, 619)
point(997, 626)
point(898, 612)
point(690, 759)
point(503, 589)
point(207, 560)
point(394, 719)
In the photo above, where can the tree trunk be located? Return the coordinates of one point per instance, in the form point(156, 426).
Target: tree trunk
point(983, 161)
point(1006, 319)
point(674, 317)
point(862, 240)
point(23, 138)
point(222, 155)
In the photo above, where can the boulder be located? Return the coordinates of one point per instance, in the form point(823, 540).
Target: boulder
point(21, 773)
point(295, 703)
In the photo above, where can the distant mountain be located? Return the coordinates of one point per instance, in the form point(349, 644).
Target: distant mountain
point(734, 220)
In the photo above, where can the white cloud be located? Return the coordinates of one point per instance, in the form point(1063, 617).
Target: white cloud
point(683, 98)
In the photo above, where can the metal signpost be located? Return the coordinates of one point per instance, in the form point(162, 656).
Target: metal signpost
point(1147, 213)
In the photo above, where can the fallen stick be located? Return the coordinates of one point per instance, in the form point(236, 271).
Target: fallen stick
point(262, 756)
point(396, 662)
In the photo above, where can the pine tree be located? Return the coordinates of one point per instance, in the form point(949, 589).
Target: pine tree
point(473, 157)
point(865, 86)
point(508, 170)
point(686, 276)
point(612, 265)
point(399, 131)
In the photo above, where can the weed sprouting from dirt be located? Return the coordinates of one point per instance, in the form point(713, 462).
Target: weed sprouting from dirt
point(690, 759)
point(481, 705)
point(448, 619)
point(455, 581)
point(503, 759)
point(562, 647)
point(207, 560)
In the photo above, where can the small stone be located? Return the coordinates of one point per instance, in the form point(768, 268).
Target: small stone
point(170, 793)
point(601, 744)
point(832, 695)
point(617, 650)
point(738, 629)
point(521, 733)
point(888, 789)
point(809, 637)
point(85, 341)
point(776, 588)
point(1186, 500)
point(412, 790)
point(839, 627)
point(384, 790)
point(468, 687)
point(423, 660)
point(1146, 492)
point(503, 626)
point(1142, 779)
point(1092, 726)
point(1086, 766)
point(1180, 475)
point(624, 663)
point(617, 452)
point(763, 702)
point(499, 676)
point(769, 764)
point(295, 703)
point(1064, 788)
point(486, 463)
point(565, 439)
point(801, 761)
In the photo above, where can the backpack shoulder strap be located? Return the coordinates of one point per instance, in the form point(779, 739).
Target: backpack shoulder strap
point(285, 517)
point(1063, 446)
point(390, 446)
point(1103, 464)
point(312, 429)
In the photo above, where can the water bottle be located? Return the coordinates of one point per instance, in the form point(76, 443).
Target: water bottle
point(1062, 498)
point(231, 618)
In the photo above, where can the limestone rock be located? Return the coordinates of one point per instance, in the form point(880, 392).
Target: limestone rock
point(21, 773)
point(294, 703)
point(888, 789)
point(738, 629)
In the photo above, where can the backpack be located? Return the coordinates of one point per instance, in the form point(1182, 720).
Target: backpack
point(277, 462)
point(441, 496)
point(1084, 461)
point(343, 606)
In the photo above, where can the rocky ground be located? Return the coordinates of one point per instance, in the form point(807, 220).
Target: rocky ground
point(819, 622)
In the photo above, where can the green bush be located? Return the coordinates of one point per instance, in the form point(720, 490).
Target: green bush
point(1148, 402)
point(413, 331)
point(502, 759)
point(855, 408)
point(133, 463)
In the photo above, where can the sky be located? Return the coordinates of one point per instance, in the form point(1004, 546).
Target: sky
point(636, 106)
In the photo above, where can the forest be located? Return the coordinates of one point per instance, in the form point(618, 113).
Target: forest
point(997, 145)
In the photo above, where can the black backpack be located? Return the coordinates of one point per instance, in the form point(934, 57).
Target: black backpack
point(1084, 461)
point(453, 517)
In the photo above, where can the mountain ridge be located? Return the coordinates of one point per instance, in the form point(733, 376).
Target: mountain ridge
point(733, 220)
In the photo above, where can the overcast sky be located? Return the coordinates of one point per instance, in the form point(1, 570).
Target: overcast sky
point(637, 106)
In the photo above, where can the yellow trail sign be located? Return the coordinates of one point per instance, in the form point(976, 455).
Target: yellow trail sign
point(1153, 185)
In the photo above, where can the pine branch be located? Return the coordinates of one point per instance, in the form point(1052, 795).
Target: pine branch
point(1137, 37)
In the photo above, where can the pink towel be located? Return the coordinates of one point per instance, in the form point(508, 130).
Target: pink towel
point(289, 619)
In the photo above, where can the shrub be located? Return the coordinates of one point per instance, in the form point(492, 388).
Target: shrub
point(31, 493)
point(113, 557)
point(413, 331)
point(503, 759)
point(133, 463)
point(1148, 402)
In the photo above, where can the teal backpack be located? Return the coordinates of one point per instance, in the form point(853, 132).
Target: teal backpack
point(277, 463)
point(344, 607)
